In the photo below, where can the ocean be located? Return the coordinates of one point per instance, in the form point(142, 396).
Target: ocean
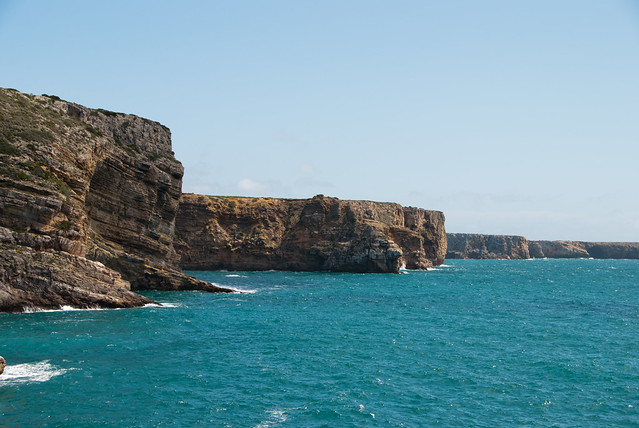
point(486, 343)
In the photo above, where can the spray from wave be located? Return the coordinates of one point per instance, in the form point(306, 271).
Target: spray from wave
point(30, 372)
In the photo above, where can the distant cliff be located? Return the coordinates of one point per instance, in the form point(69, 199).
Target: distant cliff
point(477, 246)
point(88, 200)
point(580, 249)
point(318, 234)
point(480, 246)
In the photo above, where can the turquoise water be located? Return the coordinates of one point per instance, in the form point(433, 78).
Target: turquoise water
point(475, 343)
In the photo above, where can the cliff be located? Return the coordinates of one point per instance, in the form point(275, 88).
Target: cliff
point(318, 234)
point(88, 200)
point(581, 249)
point(477, 246)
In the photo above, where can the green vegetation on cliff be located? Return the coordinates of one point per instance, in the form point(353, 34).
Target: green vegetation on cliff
point(89, 186)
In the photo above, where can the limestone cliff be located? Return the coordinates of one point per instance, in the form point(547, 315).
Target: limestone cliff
point(79, 186)
point(478, 246)
point(581, 249)
point(557, 249)
point(318, 234)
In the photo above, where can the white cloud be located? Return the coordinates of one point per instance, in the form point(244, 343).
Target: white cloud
point(249, 185)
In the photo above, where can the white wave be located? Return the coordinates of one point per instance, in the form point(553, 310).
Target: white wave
point(276, 417)
point(30, 372)
point(444, 266)
point(362, 408)
point(66, 308)
point(63, 308)
point(234, 275)
point(163, 305)
point(242, 290)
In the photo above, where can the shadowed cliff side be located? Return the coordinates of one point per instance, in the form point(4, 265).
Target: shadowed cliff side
point(318, 234)
point(79, 185)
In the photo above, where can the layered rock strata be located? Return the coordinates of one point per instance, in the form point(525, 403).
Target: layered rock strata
point(318, 234)
point(481, 246)
point(581, 249)
point(88, 200)
point(478, 246)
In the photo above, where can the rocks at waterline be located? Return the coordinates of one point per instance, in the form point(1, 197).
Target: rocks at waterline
point(95, 189)
point(317, 234)
point(483, 246)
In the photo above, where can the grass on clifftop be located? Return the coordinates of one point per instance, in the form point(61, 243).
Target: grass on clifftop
point(28, 128)
point(24, 118)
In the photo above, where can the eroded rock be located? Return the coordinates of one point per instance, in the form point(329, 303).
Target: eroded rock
point(318, 234)
point(480, 246)
point(92, 184)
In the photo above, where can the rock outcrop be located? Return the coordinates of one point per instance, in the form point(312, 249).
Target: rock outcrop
point(80, 186)
point(318, 234)
point(581, 249)
point(3, 364)
point(557, 250)
point(478, 246)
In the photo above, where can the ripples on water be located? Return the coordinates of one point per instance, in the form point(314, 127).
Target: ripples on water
point(475, 343)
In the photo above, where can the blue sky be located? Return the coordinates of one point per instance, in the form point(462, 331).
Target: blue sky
point(512, 117)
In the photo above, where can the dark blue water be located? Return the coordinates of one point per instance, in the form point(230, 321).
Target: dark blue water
point(477, 343)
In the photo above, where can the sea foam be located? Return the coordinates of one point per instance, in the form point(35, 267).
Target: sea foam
point(163, 305)
point(63, 308)
point(242, 290)
point(30, 372)
point(275, 418)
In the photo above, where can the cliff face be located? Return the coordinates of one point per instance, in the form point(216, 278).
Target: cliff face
point(88, 184)
point(477, 246)
point(318, 234)
point(580, 249)
point(558, 249)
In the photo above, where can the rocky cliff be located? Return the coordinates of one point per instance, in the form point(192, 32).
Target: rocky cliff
point(318, 234)
point(478, 246)
point(88, 200)
point(581, 249)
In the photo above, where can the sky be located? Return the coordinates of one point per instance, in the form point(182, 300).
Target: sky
point(511, 117)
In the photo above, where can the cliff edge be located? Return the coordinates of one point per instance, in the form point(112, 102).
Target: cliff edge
point(88, 200)
point(478, 246)
point(481, 246)
point(582, 249)
point(318, 234)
